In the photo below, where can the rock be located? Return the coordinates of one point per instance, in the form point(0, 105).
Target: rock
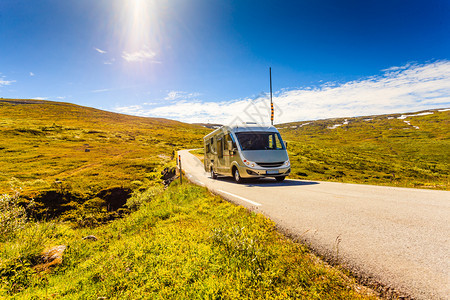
point(53, 254)
point(168, 175)
point(51, 258)
point(90, 238)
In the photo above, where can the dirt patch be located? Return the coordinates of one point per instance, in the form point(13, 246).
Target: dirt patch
point(115, 197)
point(53, 204)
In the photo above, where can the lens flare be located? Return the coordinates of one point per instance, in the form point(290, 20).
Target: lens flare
point(138, 29)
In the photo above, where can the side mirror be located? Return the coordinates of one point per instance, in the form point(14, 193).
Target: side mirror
point(285, 145)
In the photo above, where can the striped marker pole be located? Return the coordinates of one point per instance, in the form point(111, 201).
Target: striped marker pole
point(181, 170)
point(271, 115)
point(271, 103)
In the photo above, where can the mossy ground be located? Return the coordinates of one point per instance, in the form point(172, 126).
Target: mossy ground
point(80, 164)
point(382, 150)
point(45, 144)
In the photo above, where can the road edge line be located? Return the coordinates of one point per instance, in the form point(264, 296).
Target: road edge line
point(239, 197)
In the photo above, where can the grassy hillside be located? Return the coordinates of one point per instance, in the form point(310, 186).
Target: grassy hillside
point(44, 142)
point(183, 243)
point(409, 150)
point(80, 163)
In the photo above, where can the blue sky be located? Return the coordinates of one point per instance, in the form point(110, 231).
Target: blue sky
point(208, 61)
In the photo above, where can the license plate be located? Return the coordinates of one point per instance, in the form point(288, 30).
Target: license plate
point(272, 172)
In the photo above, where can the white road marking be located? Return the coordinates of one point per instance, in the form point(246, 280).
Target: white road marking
point(189, 176)
point(239, 197)
point(199, 183)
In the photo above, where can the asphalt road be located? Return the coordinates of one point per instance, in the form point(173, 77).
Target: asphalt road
point(398, 237)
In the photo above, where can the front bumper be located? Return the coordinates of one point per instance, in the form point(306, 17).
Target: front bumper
point(247, 172)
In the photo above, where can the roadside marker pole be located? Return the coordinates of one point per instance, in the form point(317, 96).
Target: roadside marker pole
point(181, 172)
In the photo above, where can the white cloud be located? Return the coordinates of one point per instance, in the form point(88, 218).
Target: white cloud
point(100, 50)
point(109, 62)
point(178, 95)
point(40, 98)
point(173, 95)
point(131, 110)
point(397, 68)
point(139, 56)
point(411, 87)
point(31, 74)
point(6, 82)
point(101, 91)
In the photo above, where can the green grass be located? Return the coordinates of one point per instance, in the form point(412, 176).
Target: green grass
point(183, 243)
point(88, 149)
point(381, 150)
point(68, 158)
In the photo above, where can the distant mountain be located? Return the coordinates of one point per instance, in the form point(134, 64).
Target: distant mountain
point(337, 122)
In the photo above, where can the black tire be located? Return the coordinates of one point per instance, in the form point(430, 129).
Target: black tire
point(213, 175)
point(237, 176)
point(280, 178)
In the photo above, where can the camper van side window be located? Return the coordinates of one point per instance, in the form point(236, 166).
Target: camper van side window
point(220, 147)
point(213, 150)
point(228, 138)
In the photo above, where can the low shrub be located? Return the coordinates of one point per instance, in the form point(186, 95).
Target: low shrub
point(12, 216)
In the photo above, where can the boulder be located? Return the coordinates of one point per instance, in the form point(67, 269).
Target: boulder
point(90, 238)
point(51, 258)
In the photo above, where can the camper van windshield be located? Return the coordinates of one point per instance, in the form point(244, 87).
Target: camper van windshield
point(260, 141)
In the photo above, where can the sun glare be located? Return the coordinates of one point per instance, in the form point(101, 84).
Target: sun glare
point(140, 28)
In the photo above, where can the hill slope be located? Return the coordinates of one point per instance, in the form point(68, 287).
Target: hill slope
point(408, 150)
point(81, 164)
point(43, 142)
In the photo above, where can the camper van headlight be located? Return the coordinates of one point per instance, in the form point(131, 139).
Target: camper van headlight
point(249, 163)
point(287, 163)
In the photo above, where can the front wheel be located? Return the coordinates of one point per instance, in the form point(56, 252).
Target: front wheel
point(213, 175)
point(280, 178)
point(237, 176)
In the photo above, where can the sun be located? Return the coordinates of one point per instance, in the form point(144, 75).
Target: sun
point(139, 25)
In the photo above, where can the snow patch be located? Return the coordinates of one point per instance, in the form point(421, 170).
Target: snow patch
point(337, 125)
point(402, 117)
point(334, 126)
point(409, 123)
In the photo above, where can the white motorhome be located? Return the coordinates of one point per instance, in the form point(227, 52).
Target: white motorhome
point(246, 151)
